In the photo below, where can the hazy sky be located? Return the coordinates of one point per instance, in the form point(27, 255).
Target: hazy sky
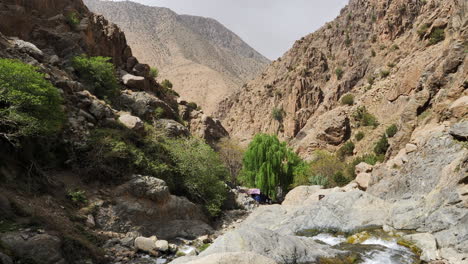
point(269, 26)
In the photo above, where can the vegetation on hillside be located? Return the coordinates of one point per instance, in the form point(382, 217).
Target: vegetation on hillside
point(99, 74)
point(29, 104)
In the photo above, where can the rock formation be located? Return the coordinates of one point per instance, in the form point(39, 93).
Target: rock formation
point(204, 60)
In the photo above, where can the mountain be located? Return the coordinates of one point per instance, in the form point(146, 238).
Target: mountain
point(401, 60)
point(203, 59)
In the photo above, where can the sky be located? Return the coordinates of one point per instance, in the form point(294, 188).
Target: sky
point(269, 26)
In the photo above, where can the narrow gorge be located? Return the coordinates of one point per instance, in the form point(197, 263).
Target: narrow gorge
point(350, 148)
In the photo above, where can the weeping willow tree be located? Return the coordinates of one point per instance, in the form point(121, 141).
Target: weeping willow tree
point(268, 164)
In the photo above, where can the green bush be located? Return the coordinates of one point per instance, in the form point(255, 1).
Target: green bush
point(373, 54)
point(394, 47)
point(98, 73)
point(346, 150)
point(319, 180)
point(364, 118)
point(29, 104)
point(72, 19)
point(381, 146)
point(77, 197)
point(384, 73)
point(192, 105)
point(339, 73)
point(347, 99)
point(269, 164)
point(277, 114)
point(436, 36)
point(340, 179)
point(391, 131)
point(167, 84)
point(154, 72)
point(423, 30)
point(391, 64)
point(203, 173)
point(371, 80)
point(359, 136)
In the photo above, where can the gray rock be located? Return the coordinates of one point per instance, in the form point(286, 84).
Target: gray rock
point(146, 244)
point(149, 187)
point(4, 259)
point(173, 128)
point(131, 122)
point(28, 48)
point(228, 258)
point(43, 248)
point(141, 70)
point(363, 168)
point(427, 243)
point(298, 195)
point(135, 82)
point(460, 131)
point(100, 110)
point(162, 245)
point(144, 105)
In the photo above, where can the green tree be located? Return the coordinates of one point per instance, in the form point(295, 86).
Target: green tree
point(269, 165)
point(29, 104)
point(98, 73)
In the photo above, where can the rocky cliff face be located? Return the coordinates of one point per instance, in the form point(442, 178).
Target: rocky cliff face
point(203, 59)
point(397, 58)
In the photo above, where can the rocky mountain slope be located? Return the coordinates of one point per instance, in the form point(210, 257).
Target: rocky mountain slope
point(69, 195)
point(204, 60)
point(402, 60)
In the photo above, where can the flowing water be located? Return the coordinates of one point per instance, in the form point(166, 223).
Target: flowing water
point(369, 247)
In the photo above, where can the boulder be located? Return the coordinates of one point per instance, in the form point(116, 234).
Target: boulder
point(141, 70)
point(131, 122)
point(172, 127)
point(144, 105)
point(363, 180)
point(4, 259)
point(148, 187)
point(410, 148)
point(427, 243)
point(206, 127)
point(28, 48)
point(146, 244)
point(135, 82)
point(459, 108)
point(228, 258)
point(162, 245)
point(298, 195)
point(100, 110)
point(43, 248)
point(460, 131)
point(363, 168)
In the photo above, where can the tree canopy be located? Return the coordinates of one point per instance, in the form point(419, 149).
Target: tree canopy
point(268, 164)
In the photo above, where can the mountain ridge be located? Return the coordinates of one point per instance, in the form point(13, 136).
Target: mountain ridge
point(205, 60)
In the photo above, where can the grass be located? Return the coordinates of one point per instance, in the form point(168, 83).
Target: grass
point(339, 73)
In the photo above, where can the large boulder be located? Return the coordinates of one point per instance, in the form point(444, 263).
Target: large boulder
point(42, 248)
point(298, 195)
point(206, 127)
point(146, 244)
point(227, 258)
point(144, 204)
point(145, 105)
point(135, 82)
point(363, 180)
point(172, 127)
point(460, 131)
point(131, 122)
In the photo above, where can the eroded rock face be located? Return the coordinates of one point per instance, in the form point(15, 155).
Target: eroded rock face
point(228, 258)
point(206, 127)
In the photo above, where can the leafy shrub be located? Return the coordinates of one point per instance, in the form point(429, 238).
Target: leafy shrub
point(154, 72)
point(29, 104)
point(339, 73)
point(269, 164)
point(192, 105)
point(77, 197)
point(371, 80)
point(340, 179)
point(277, 114)
point(202, 172)
point(391, 131)
point(373, 54)
point(346, 150)
point(231, 154)
point(364, 118)
point(384, 73)
point(359, 136)
point(347, 99)
point(381, 146)
point(99, 73)
point(436, 36)
point(423, 30)
point(318, 180)
point(72, 19)
point(167, 84)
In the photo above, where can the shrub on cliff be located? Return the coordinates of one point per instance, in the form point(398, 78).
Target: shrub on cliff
point(99, 74)
point(391, 131)
point(277, 114)
point(436, 36)
point(346, 150)
point(364, 118)
point(269, 164)
point(29, 104)
point(348, 99)
point(381, 146)
point(154, 72)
